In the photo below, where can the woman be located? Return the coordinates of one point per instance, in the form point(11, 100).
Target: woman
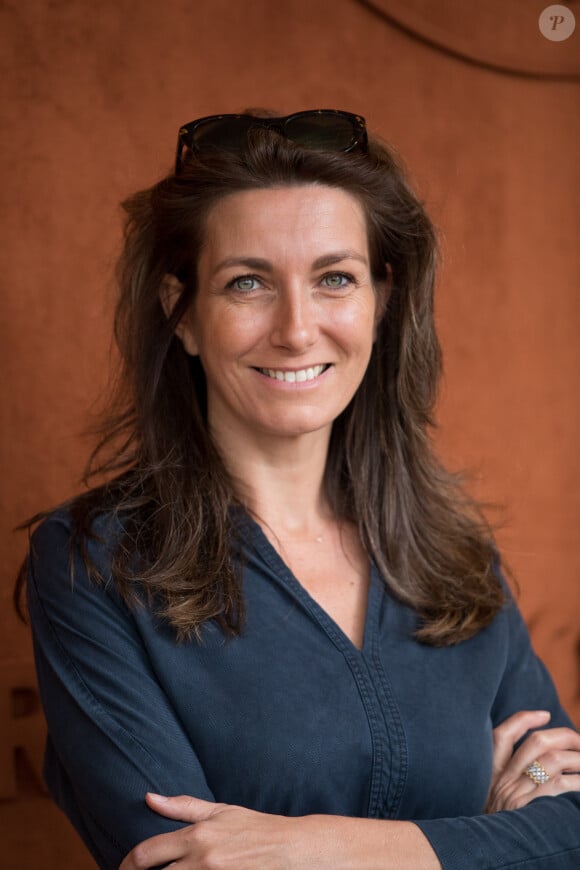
point(280, 614)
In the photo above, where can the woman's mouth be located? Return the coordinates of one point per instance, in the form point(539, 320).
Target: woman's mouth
point(295, 375)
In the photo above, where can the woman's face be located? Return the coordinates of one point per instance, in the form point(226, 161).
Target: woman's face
point(284, 318)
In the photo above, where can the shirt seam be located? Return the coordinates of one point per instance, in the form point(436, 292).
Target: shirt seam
point(77, 677)
point(395, 720)
point(323, 620)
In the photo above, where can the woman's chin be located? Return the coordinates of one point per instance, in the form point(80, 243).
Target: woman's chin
point(297, 429)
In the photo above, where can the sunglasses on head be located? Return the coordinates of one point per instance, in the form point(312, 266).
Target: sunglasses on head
point(317, 129)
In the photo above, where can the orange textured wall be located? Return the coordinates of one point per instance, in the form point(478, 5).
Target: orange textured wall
point(92, 97)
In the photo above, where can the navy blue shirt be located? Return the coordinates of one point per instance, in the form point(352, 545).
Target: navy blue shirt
point(289, 718)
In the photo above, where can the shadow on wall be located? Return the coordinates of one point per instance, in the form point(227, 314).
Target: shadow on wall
point(34, 831)
point(22, 726)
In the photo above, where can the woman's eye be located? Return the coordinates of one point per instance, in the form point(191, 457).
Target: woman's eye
point(337, 280)
point(244, 283)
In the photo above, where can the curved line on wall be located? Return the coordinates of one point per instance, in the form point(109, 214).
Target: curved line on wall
point(459, 54)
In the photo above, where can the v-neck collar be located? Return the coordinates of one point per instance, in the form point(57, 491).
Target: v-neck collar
point(282, 572)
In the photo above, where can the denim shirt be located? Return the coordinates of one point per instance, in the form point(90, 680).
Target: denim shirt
point(289, 718)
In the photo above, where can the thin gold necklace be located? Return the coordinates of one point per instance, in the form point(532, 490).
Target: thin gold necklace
point(318, 540)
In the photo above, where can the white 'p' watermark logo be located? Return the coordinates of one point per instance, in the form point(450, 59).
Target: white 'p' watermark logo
point(557, 23)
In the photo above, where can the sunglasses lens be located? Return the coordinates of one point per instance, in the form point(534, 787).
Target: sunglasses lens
point(324, 132)
point(229, 134)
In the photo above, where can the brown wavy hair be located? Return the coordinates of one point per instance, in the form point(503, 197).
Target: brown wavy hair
point(164, 476)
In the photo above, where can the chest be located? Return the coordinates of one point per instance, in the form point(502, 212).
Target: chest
point(292, 718)
point(338, 580)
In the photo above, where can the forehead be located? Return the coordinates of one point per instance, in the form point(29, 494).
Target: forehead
point(304, 217)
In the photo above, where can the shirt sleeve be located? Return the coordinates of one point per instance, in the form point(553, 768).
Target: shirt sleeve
point(112, 732)
point(545, 834)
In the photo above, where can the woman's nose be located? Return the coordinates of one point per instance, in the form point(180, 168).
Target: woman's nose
point(295, 325)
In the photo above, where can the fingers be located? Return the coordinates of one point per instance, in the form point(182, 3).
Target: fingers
point(175, 846)
point(161, 849)
point(183, 807)
point(506, 735)
point(544, 746)
point(557, 750)
point(524, 791)
point(563, 769)
point(561, 784)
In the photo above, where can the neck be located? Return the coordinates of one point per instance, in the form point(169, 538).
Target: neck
point(280, 480)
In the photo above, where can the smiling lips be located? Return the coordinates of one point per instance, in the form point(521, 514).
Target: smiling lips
point(297, 375)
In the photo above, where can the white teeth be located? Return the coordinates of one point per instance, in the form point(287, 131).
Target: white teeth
point(291, 377)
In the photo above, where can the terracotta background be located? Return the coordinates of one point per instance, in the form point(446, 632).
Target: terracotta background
point(486, 112)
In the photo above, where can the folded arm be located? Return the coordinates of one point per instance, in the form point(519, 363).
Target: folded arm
point(112, 732)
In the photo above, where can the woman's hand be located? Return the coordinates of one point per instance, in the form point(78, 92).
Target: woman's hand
point(557, 750)
point(220, 836)
point(225, 837)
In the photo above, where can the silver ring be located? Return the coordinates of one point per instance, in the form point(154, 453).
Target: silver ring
point(537, 773)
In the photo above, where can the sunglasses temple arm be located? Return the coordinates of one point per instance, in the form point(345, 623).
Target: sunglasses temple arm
point(178, 156)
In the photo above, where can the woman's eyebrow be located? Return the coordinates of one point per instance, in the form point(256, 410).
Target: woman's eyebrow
point(248, 262)
point(337, 257)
